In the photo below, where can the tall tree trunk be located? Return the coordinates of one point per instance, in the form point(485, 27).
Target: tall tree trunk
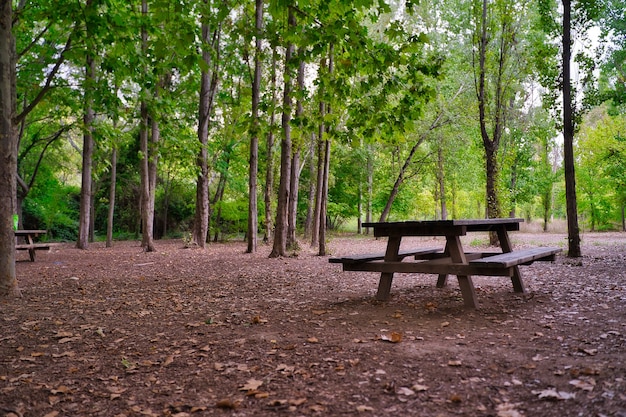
point(253, 214)
point(109, 242)
point(292, 242)
point(370, 188)
point(326, 172)
point(573, 233)
point(88, 119)
point(308, 223)
point(269, 168)
point(208, 87)
point(280, 236)
point(8, 153)
point(315, 230)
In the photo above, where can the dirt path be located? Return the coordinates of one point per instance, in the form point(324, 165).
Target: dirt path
point(118, 332)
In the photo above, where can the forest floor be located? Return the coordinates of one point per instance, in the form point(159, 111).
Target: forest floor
point(191, 332)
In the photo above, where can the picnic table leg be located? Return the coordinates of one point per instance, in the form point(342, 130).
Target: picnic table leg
point(453, 244)
point(505, 243)
point(442, 281)
point(31, 251)
point(386, 278)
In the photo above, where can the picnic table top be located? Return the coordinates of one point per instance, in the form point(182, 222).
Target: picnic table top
point(34, 232)
point(442, 227)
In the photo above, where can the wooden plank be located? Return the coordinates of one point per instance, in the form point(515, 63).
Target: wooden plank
point(379, 256)
point(428, 267)
point(517, 257)
point(36, 246)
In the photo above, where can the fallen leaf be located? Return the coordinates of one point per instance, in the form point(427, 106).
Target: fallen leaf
point(168, 360)
point(508, 410)
point(227, 404)
point(312, 340)
point(251, 385)
point(394, 337)
point(585, 385)
point(364, 408)
point(62, 389)
point(553, 394)
point(405, 391)
point(297, 401)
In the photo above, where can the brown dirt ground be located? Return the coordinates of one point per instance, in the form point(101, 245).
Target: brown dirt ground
point(178, 332)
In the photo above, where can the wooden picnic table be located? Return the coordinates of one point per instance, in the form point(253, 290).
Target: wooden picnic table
point(29, 244)
point(450, 260)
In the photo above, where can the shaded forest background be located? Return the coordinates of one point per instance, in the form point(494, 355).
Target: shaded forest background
point(292, 115)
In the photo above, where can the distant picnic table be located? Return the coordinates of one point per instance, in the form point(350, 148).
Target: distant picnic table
point(25, 240)
point(450, 260)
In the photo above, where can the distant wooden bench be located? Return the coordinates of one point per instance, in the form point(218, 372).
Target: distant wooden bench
point(357, 259)
point(32, 247)
point(517, 257)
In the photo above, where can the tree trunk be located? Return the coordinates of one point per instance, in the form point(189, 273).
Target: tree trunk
point(88, 119)
point(292, 242)
point(315, 229)
point(573, 234)
point(269, 169)
point(8, 154)
point(208, 87)
point(308, 223)
point(370, 189)
point(326, 172)
point(109, 242)
point(280, 236)
point(253, 214)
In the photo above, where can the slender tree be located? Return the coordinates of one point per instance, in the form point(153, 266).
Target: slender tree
point(573, 233)
point(208, 89)
point(253, 215)
point(280, 235)
point(85, 219)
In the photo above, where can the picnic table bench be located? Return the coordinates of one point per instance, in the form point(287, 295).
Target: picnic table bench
point(29, 244)
point(450, 260)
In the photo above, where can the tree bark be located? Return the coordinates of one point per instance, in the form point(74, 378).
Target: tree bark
point(573, 234)
point(88, 144)
point(280, 236)
point(109, 242)
point(326, 172)
point(8, 153)
point(308, 223)
point(208, 87)
point(269, 169)
point(292, 242)
point(253, 216)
